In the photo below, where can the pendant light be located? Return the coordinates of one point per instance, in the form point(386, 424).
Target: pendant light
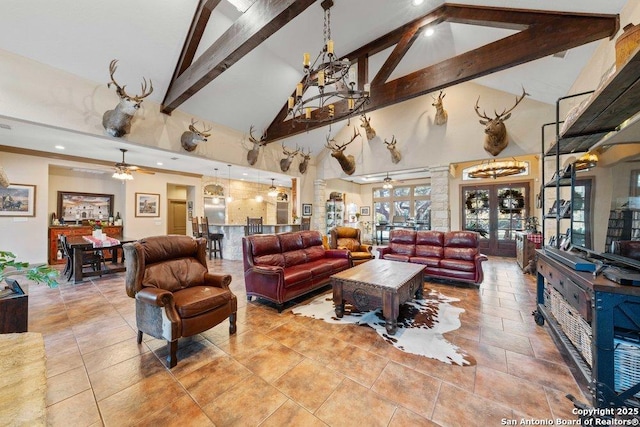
point(229, 198)
point(273, 191)
point(387, 183)
point(216, 198)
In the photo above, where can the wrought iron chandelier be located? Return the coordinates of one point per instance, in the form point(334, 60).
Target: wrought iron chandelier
point(494, 169)
point(326, 81)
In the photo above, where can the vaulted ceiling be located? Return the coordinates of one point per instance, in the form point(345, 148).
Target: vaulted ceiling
point(237, 69)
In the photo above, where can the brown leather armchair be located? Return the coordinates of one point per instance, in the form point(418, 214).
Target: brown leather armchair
point(349, 238)
point(175, 294)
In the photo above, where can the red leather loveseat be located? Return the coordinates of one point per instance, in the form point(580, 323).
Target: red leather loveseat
point(452, 255)
point(281, 267)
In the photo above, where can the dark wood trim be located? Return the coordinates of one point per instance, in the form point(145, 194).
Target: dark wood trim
point(259, 22)
point(196, 30)
point(542, 33)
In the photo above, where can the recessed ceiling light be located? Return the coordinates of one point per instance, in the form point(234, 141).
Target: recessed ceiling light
point(159, 163)
point(429, 32)
point(417, 2)
point(59, 147)
point(244, 174)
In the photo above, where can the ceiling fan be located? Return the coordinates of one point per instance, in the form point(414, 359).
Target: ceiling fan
point(123, 169)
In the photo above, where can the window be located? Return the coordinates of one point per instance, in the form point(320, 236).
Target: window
point(413, 202)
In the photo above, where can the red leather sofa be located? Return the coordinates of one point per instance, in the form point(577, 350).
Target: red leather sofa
point(452, 255)
point(281, 267)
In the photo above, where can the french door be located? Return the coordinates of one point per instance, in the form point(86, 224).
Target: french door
point(496, 211)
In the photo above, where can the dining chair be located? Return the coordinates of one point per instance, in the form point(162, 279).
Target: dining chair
point(254, 226)
point(214, 240)
point(92, 258)
point(195, 227)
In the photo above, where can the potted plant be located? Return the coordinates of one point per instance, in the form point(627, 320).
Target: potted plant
point(38, 273)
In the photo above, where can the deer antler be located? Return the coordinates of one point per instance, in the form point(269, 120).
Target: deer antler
point(518, 100)
point(477, 108)
point(290, 153)
point(253, 138)
point(120, 89)
point(192, 128)
point(338, 147)
point(392, 143)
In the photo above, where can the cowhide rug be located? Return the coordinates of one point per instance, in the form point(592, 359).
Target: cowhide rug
point(421, 324)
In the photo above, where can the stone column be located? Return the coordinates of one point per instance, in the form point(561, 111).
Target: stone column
point(440, 212)
point(319, 218)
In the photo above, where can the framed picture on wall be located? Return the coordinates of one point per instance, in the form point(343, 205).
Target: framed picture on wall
point(84, 206)
point(306, 209)
point(365, 210)
point(147, 205)
point(18, 200)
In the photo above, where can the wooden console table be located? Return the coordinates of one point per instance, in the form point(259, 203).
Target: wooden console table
point(610, 309)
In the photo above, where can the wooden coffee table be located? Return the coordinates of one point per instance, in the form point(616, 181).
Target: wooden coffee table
point(378, 283)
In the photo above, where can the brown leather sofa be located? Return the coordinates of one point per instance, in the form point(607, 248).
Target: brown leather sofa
point(349, 238)
point(175, 294)
point(452, 255)
point(281, 267)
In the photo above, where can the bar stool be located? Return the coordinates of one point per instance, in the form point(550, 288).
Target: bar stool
point(254, 226)
point(214, 240)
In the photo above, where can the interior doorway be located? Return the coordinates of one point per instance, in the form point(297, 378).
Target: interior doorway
point(496, 211)
point(177, 217)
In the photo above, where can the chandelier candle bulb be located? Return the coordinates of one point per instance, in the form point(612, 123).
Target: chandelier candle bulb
point(307, 113)
point(330, 47)
point(290, 103)
point(367, 88)
point(332, 110)
point(306, 60)
point(321, 78)
point(350, 102)
point(299, 90)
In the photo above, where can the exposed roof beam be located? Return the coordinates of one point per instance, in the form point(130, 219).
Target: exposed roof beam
point(260, 21)
point(196, 30)
point(542, 34)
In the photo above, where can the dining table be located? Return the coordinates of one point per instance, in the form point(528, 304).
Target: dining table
point(112, 245)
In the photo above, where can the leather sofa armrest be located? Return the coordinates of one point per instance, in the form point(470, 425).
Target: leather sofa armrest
point(218, 280)
point(480, 258)
point(265, 269)
point(155, 296)
point(383, 251)
point(336, 253)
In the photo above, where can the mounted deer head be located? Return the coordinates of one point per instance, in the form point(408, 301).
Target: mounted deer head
point(347, 163)
point(366, 124)
point(441, 113)
point(117, 122)
point(391, 146)
point(252, 155)
point(302, 167)
point(191, 138)
point(496, 132)
point(285, 163)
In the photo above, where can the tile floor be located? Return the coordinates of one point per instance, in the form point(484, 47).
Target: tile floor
point(285, 370)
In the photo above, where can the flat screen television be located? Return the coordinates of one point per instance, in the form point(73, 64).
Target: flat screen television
point(596, 193)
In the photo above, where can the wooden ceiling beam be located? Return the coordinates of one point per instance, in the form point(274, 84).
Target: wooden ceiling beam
point(541, 34)
point(260, 21)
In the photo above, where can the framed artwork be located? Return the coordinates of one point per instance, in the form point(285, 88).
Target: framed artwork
point(306, 209)
point(147, 204)
point(84, 206)
point(18, 200)
point(365, 210)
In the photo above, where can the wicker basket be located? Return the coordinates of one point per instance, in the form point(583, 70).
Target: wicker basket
point(627, 43)
point(626, 363)
point(571, 322)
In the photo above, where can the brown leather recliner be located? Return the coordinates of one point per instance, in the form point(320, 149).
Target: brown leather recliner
point(349, 238)
point(175, 294)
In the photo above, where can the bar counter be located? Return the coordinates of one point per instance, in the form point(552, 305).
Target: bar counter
point(233, 234)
